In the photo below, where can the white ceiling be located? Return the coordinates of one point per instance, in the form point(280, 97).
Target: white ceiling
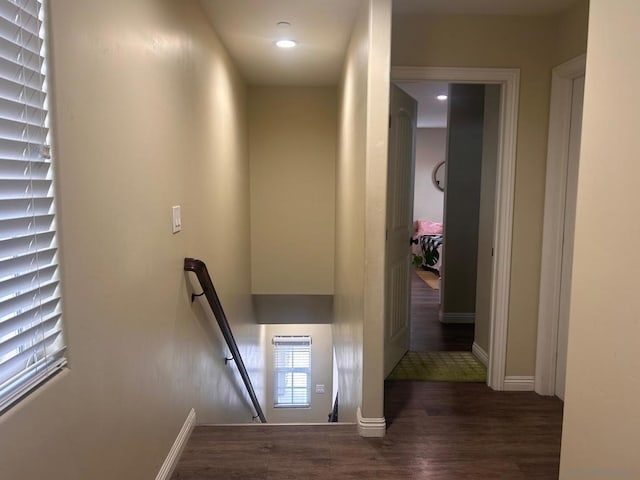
point(322, 29)
point(432, 113)
point(481, 7)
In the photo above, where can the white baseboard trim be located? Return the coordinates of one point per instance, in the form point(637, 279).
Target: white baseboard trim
point(480, 354)
point(452, 317)
point(371, 427)
point(518, 383)
point(171, 461)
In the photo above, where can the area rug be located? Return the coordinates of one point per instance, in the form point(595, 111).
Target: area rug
point(439, 367)
point(429, 278)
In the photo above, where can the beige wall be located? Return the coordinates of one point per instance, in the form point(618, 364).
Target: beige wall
point(378, 81)
point(526, 43)
point(571, 27)
point(149, 115)
point(601, 430)
point(321, 374)
point(292, 144)
point(430, 151)
point(350, 210)
point(360, 213)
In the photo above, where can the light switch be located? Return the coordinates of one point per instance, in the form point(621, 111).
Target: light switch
point(319, 388)
point(176, 219)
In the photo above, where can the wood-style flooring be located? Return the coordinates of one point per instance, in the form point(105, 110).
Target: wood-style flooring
point(428, 333)
point(435, 431)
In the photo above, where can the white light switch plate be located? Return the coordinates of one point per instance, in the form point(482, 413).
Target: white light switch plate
point(176, 224)
point(319, 388)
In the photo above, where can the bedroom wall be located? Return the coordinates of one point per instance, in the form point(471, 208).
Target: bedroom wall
point(321, 374)
point(360, 207)
point(292, 147)
point(462, 202)
point(601, 428)
point(150, 114)
point(428, 201)
point(502, 41)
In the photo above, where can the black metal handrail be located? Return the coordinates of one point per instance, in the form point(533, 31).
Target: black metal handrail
point(200, 269)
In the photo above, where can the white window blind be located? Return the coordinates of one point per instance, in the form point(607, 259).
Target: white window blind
point(292, 371)
point(31, 342)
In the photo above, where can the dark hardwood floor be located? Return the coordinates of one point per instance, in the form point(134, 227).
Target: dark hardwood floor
point(428, 333)
point(435, 431)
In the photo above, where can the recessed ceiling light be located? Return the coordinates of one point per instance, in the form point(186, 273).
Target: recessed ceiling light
point(442, 97)
point(286, 43)
point(284, 35)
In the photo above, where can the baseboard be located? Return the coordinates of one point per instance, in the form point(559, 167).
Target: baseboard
point(451, 317)
point(480, 354)
point(171, 461)
point(371, 427)
point(519, 383)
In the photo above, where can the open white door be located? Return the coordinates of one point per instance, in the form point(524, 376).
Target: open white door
point(402, 130)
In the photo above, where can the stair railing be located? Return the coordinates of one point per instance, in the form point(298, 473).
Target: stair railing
point(200, 269)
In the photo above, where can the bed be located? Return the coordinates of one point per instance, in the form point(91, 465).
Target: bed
point(427, 243)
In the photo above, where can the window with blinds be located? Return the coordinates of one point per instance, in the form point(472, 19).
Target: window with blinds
point(31, 342)
point(292, 371)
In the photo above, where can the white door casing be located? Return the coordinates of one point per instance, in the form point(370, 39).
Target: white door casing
point(569, 230)
point(509, 79)
point(401, 163)
point(560, 197)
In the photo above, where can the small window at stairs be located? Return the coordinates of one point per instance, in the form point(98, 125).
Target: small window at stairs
point(292, 371)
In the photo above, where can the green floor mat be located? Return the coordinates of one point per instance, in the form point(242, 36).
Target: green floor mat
point(439, 367)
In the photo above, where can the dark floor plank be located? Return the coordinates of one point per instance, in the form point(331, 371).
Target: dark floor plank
point(435, 431)
point(428, 333)
point(441, 431)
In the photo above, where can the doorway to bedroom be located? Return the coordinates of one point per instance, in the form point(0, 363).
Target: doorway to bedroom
point(456, 150)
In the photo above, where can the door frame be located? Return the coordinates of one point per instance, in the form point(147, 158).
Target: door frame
point(509, 79)
point(562, 78)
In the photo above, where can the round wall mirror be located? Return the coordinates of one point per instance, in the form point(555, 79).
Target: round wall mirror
point(438, 176)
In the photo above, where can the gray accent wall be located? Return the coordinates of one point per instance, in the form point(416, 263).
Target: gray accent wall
point(462, 201)
point(491, 133)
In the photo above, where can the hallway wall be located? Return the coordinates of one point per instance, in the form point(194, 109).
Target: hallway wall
point(149, 114)
point(527, 43)
point(571, 33)
point(601, 430)
point(363, 100)
point(292, 148)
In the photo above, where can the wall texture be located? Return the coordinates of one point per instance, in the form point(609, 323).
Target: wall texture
point(350, 211)
point(148, 114)
point(502, 41)
point(321, 374)
point(601, 428)
point(430, 151)
point(360, 213)
point(292, 144)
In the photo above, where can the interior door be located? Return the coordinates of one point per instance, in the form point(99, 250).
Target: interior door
point(569, 228)
point(402, 130)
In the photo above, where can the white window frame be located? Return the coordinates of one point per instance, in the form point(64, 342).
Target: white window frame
point(32, 347)
point(291, 357)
